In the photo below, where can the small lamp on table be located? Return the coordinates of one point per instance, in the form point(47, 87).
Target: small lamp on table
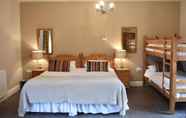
point(37, 55)
point(120, 56)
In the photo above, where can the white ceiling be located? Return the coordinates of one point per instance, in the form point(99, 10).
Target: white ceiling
point(92, 0)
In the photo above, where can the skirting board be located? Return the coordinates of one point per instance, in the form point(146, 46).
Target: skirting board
point(11, 92)
point(136, 83)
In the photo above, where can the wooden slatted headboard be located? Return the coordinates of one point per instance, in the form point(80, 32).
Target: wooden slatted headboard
point(100, 56)
point(68, 57)
point(81, 59)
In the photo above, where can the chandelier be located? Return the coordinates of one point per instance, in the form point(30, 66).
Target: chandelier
point(104, 7)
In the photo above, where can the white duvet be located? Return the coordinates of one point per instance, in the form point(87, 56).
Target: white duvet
point(77, 87)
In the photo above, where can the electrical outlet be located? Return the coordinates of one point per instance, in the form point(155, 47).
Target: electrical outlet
point(138, 69)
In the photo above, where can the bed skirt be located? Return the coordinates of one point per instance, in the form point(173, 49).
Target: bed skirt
point(73, 109)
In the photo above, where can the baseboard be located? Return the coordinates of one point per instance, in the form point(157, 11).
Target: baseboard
point(136, 83)
point(10, 92)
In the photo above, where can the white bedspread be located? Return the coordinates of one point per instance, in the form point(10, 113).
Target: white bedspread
point(78, 87)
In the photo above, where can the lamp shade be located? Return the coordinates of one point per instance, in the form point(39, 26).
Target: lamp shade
point(120, 54)
point(37, 54)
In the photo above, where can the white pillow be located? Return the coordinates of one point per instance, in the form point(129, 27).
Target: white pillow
point(152, 68)
point(72, 65)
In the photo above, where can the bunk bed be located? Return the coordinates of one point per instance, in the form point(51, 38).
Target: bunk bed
point(169, 82)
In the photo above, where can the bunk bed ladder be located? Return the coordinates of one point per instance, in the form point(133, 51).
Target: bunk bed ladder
point(165, 62)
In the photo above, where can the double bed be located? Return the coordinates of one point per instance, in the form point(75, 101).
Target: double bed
point(77, 91)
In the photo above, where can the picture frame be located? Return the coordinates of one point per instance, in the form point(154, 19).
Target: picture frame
point(129, 39)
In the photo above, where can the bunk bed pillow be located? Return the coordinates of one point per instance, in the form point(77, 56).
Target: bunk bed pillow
point(97, 66)
point(152, 68)
point(150, 71)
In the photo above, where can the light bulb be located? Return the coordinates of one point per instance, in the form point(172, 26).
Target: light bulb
point(111, 5)
point(104, 7)
point(102, 3)
point(97, 6)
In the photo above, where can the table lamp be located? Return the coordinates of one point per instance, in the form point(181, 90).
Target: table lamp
point(37, 55)
point(120, 56)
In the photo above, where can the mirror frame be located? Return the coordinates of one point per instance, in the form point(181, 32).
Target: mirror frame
point(129, 34)
point(38, 37)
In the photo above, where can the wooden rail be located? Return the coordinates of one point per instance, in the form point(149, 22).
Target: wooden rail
point(173, 61)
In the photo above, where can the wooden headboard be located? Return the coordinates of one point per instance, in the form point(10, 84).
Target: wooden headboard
point(81, 59)
point(68, 57)
point(100, 56)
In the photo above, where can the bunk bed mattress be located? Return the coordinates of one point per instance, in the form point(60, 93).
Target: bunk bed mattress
point(179, 53)
point(168, 46)
point(179, 76)
point(157, 78)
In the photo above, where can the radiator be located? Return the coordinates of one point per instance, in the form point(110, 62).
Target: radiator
point(3, 84)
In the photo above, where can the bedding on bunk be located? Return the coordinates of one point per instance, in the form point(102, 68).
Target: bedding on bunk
point(167, 45)
point(179, 53)
point(73, 92)
point(157, 78)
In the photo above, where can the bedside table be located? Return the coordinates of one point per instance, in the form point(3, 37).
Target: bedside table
point(124, 75)
point(22, 82)
point(37, 72)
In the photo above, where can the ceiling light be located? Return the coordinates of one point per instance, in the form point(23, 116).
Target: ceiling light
point(104, 7)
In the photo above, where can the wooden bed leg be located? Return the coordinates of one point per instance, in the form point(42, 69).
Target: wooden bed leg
point(171, 109)
point(172, 105)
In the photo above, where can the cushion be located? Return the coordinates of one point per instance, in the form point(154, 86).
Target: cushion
point(51, 64)
point(109, 64)
point(66, 66)
point(72, 65)
point(59, 66)
point(98, 66)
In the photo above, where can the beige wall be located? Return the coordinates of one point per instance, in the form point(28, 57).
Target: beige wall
point(78, 27)
point(10, 41)
point(183, 18)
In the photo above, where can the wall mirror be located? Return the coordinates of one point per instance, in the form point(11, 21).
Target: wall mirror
point(129, 39)
point(45, 40)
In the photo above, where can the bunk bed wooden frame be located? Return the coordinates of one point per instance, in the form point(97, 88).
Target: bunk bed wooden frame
point(167, 54)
